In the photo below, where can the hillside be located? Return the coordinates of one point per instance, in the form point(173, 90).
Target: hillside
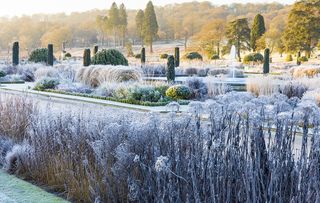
point(176, 22)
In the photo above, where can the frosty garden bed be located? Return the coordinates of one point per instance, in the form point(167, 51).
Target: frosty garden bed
point(245, 151)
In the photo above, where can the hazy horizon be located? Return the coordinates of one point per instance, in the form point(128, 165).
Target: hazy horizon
point(23, 7)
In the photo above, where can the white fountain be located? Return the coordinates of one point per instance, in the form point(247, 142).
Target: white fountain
point(233, 60)
point(233, 64)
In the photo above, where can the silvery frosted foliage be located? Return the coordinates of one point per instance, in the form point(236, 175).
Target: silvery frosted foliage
point(173, 107)
point(234, 148)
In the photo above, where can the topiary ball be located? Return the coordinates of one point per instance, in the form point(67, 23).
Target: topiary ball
point(193, 56)
point(303, 59)
point(109, 57)
point(164, 56)
point(178, 92)
point(253, 57)
point(215, 57)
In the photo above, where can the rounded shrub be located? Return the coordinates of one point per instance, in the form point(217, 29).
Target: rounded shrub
point(164, 56)
point(109, 57)
point(215, 57)
point(39, 55)
point(191, 71)
point(47, 83)
point(137, 56)
point(67, 55)
point(289, 58)
point(178, 92)
point(2, 74)
point(303, 59)
point(144, 94)
point(193, 56)
point(253, 57)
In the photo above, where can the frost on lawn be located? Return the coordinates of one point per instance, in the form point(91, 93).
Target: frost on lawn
point(234, 148)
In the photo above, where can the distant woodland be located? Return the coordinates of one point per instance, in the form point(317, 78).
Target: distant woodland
point(182, 23)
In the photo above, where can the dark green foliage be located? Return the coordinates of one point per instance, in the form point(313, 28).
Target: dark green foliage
point(15, 54)
point(39, 55)
point(150, 25)
point(68, 55)
point(164, 56)
point(193, 56)
point(127, 101)
point(176, 57)
point(238, 34)
point(171, 75)
point(139, 24)
point(143, 55)
point(215, 57)
point(109, 57)
point(144, 94)
point(46, 83)
point(50, 55)
point(162, 89)
point(253, 57)
point(95, 49)
point(258, 29)
point(87, 57)
point(2, 74)
point(303, 26)
point(266, 63)
point(179, 92)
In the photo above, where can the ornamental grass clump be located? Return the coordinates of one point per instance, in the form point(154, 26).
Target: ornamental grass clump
point(263, 149)
point(96, 75)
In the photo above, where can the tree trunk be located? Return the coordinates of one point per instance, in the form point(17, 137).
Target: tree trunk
point(185, 43)
point(218, 49)
point(151, 48)
point(115, 37)
point(308, 54)
point(239, 51)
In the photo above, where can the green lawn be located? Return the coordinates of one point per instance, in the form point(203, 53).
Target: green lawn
point(14, 190)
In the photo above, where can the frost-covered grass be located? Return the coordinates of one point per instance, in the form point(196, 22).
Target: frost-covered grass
point(244, 152)
point(306, 71)
point(96, 75)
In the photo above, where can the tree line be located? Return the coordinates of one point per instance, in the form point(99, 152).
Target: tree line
point(196, 25)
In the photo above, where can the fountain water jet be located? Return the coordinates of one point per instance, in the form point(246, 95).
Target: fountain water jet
point(233, 60)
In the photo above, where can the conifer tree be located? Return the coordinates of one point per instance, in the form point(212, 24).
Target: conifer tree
point(123, 23)
point(257, 31)
point(238, 34)
point(150, 25)
point(139, 25)
point(114, 20)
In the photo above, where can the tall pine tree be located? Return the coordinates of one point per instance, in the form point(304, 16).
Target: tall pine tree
point(114, 20)
point(258, 29)
point(123, 23)
point(139, 25)
point(150, 25)
point(238, 34)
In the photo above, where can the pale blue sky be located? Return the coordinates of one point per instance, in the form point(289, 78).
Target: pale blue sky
point(20, 7)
